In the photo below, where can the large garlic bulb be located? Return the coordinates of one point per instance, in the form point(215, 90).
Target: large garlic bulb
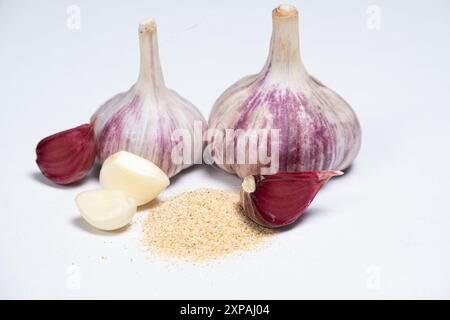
point(143, 119)
point(317, 129)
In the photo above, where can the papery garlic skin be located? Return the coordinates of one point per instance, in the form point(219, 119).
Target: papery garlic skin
point(318, 129)
point(143, 119)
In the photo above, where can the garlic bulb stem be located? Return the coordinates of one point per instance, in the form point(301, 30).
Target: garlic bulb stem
point(284, 55)
point(150, 68)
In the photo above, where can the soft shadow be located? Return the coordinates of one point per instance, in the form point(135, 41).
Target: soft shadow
point(151, 205)
point(92, 175)
point(81, 224)
point(39, 177)
point(308, 215)
point(347, 172)
point(184, 172)
point(218, 174)
point(213, 171)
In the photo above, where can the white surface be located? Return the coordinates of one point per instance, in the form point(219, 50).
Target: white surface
point(381, 231)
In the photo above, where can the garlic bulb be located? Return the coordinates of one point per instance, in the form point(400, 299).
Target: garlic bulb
point(316, 129)
point(143, 120)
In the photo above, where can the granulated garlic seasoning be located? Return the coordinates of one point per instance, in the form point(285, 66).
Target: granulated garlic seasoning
point(201, 225)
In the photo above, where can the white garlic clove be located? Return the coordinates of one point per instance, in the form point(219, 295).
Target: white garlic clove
point(106, 209)
point(68, 156)
point(139, 178)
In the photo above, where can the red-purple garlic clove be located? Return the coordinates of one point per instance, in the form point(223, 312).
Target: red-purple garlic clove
point(278, 200)
point(68, 156)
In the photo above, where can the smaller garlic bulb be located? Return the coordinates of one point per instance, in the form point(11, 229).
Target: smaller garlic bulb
point(143, 120)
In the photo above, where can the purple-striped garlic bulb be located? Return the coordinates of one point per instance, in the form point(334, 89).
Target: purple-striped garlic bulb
point(317, 129)
point(143, 119)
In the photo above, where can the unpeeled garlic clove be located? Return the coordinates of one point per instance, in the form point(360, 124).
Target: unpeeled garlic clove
point(280, 199)
point(68, 156)
point(139, 178)
point(106, 209)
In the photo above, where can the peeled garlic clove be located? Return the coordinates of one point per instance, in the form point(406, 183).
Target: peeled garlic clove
point(106, 209)
point(280, 199)
point(68, 156)
point(137, 177)
point(317, 129)
point(148, 119)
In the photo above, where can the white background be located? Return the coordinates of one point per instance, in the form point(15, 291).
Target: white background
point(380, 231)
